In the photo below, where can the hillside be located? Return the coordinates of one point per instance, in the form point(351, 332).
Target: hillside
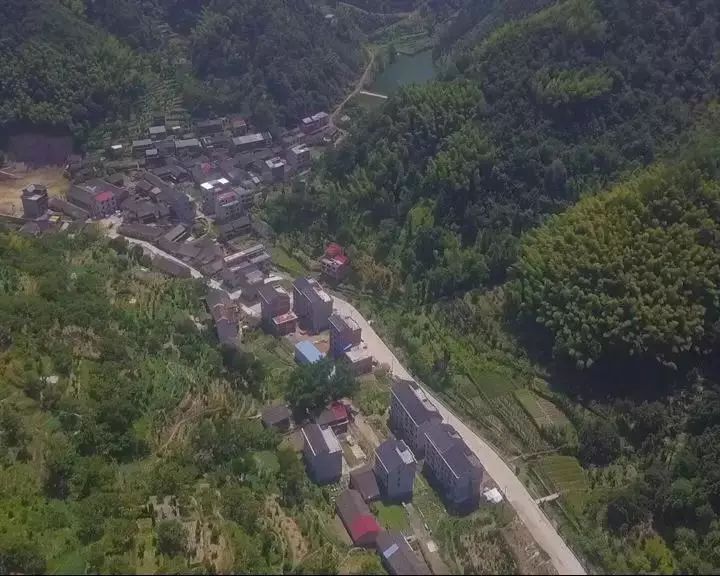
point(128, 442)
point(76, 65)
point(538, 234)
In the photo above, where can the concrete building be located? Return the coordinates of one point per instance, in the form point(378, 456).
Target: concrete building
point(256, 254)
point(188, 146)
point(209, 127)
point(322, 454)
point(410, 413)
point(275, 167)
point(398, 557)
point(315, 122)
point(98, 197)
point(357, 518)
point(239, 126)
point(245, 276)
point(312, 305)
point(359, 360)
point(228, 207)
point(157, 132)
point(307, 353)
point(299, 157)
point(344, 334)
point(224, 315)
point(452, 465)
point(275, 310)
point(211, 189)
point(250, 142)
point(394, 469)
point(139, 147)
point(34, 201)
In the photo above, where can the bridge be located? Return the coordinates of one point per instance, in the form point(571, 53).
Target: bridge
point(373, 94)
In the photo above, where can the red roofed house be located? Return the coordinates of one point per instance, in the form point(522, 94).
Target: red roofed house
point(336, 416)
point(357, 518)
point(98, 197)
point(335, 263)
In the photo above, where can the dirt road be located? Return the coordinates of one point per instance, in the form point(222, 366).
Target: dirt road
point(358, 86)
point(515, 492)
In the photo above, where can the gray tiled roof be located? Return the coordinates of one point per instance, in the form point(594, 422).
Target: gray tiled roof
point(398, 556)
point(389, 454)
point(411, 397)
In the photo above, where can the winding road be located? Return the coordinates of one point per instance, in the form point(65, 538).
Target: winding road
point(562, 558)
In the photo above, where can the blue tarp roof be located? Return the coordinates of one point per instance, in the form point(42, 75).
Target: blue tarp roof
point(308, 351)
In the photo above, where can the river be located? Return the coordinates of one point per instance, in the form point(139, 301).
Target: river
point(407, 69)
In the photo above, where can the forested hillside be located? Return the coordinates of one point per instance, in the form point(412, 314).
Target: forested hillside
point(544, 109)
point(75, 64)
point(538, 233)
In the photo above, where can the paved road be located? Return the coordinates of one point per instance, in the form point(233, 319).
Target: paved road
point(515, 492)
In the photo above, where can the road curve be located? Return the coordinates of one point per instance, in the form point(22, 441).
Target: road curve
point(562, 558)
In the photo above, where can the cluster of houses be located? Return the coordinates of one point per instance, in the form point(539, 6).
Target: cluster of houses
point(420, 435)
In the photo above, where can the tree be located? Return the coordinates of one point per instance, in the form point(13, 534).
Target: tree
point(243, 506)
point(292, 480)
point(171, 538)
point(598, 442)
point(312, 386)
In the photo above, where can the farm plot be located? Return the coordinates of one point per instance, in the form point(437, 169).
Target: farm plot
point(543, 412)
point(564, 474)
point(517, 421)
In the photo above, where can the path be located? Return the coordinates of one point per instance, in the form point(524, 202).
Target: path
point(374, 94)
point(515, 492)
point(358, 86)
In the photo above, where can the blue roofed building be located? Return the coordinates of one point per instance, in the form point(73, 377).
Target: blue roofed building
point(307, 353)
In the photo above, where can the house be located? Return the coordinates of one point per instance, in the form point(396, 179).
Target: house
point(140, 231)
point(250, 142)
point(211, 189)
point(171, 267)
point(322, 454)
point(357, 518)
point(187, 146)
point(277, 417)
point(398, 557)
point(98, 197)
point(171, 172)
point(314, 123)
point(143, 211)
point(159, 191)
point(307, 353)
point(208, 127)
point(176, 233)
point(238, 126)
point(410, 413)
point(139, 146)
point(224, 315)
point(228, 206)
point(344, 334)
point(236, 227)
point(336, 416)
point(363, 480)
point(245, 276)
point(275, 309)
point(165, 148)
point(157, 132)
point(452, 465)
point(34, 201)
point(299, 156)
point(219, 141)
point(276, 169)
point(256, 254)
point(335, 268)
point(312, 304)
point(64, 207)
point(395, 468)
point(359, 360)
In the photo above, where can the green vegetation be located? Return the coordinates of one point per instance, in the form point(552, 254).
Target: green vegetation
point(391, 516)
point(83, 64)
point(128, 441)
point(311, 387)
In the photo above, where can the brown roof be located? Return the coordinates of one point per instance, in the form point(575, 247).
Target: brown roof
point(363, 480)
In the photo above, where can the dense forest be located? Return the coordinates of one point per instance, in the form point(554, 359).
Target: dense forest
point(129, 441)
point(538, 232)
point(73, 64)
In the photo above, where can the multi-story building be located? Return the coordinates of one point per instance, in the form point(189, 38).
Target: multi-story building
point(244, 276)
point(312, 304)
point(208, 127)
point(250, 142)
point(275, 310)
point(315, 122)
point(275, 167)
point(34, 201)
point(322, 454)
point(410, 413)
point(210, 192)
point(299, 156)
point(394, 469)
point(228, 207)
point(98, 197)
point(344, 334)
point(452, 464)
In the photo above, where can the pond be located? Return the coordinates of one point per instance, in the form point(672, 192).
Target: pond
point(407, 69)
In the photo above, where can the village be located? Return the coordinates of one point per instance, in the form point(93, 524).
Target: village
point(186, 198)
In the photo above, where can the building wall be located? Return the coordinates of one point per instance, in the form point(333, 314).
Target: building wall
point(34, 208)
point(324, 468)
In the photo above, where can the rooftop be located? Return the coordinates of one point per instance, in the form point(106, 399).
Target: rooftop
point(249, 139)
point(275, 162)
point(309, 351)
point(320, 440)
point(356, 354)
point(355, 514)
point(394, 454)
point(398, 555)
point(363, 480)
point(342, 323)
point(414, 401)
point(452, 449)
point(312, 290)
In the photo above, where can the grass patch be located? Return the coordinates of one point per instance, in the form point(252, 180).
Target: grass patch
point(287, 262)
point(543, 412)
point(372, 397)
point(368, 102)
point(267, 462)
point(391, 516)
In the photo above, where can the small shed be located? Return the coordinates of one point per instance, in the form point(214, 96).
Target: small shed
point(307, 353)
point(276, 417)
point(363, 480)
